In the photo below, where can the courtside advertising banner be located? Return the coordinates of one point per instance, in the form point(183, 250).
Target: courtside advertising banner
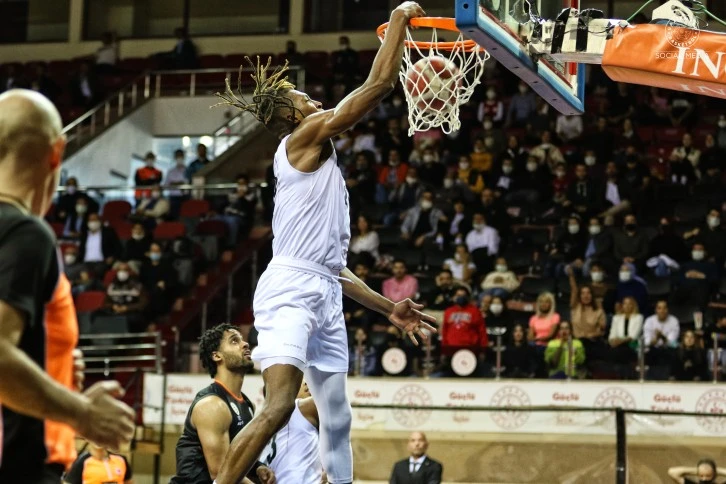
point(668, 56)
point(461, 393)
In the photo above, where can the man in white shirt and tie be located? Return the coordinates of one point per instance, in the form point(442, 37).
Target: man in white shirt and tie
point(419, 468)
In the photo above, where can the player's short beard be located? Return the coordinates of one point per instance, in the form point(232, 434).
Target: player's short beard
point(238, 364)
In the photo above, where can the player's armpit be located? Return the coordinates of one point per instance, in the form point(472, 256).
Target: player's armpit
point(212, 418)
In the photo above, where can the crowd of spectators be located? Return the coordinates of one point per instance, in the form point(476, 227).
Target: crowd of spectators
point(579, 239)
point(145, 253)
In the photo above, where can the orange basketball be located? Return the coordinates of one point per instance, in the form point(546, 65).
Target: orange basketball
point(432, 82)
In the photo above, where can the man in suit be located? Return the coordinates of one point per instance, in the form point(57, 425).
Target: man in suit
point(419, 468)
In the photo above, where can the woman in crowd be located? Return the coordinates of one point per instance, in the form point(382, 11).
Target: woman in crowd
point(587, 318)
point(366, 240)
point(519, 359)
point(625, 330)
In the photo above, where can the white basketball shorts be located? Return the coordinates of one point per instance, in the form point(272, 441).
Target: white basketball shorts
point(298, 307)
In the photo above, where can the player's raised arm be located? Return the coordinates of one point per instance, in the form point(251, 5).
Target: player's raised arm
point(319, 127)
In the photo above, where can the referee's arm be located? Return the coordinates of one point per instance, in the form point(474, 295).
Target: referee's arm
point(24, 387)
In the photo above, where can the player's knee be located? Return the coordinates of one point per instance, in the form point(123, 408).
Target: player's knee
point(340, 420)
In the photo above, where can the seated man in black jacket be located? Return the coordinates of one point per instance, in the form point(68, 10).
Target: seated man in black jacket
point(419, 468)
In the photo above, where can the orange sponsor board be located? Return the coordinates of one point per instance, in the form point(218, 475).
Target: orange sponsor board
point(668, 56)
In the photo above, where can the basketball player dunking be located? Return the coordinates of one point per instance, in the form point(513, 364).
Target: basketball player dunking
point(298, 302)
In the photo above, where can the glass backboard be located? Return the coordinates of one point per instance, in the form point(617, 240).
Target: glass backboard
point(502, 27)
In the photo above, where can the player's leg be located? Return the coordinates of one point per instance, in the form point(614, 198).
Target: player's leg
point(331, 397)
point(282, 377)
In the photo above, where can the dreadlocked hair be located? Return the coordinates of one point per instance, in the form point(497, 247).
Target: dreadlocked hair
point(209, 343)
point(268, 95)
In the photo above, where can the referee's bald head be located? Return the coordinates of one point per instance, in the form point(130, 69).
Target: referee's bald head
point(29, 126)
point(31, 148)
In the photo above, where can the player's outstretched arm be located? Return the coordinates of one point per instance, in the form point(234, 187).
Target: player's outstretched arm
point(405, 315)
point(26, 389)
point(320, 127)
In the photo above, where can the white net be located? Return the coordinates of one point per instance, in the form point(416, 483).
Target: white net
point(434, 87)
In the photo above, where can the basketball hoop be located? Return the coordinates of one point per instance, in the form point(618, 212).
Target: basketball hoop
point(438, 76)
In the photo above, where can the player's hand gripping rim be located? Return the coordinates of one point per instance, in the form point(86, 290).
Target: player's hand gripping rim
point(410, 10)
point(406, 316)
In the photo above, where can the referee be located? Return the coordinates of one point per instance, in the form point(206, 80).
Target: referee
point(31, 148)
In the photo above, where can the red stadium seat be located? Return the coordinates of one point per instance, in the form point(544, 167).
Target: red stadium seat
point(317, 64)
point(116, 210)
point(671, 135)
point(235, 60)
point(645, 133)
point(123, 228)
point(108, 277)
point(169, 230)
point(211, 61)
point(137, 64)
point(365, 60)
point(90, 301)
point(194, 208)
point(57, 228)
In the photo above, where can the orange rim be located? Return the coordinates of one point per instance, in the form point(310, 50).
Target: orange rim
point(443, 23)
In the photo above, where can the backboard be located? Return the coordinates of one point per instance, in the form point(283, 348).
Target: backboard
point(502, 27)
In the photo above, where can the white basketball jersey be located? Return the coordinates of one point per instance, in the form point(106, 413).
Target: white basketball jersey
point(294, 452)
point(311, 219)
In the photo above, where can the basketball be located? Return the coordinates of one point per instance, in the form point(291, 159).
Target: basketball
point(432, 82)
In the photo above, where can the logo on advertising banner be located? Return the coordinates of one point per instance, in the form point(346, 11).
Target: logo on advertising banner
point(615, 397)
point(510, 396)
point(413, 396)
point(681, 36)
point(713, 402)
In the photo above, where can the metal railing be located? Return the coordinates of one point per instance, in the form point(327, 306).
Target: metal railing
point(107, 353)
point(146, 86)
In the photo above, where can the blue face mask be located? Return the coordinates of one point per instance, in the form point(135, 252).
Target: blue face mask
point(155, 256)
point(462, 300)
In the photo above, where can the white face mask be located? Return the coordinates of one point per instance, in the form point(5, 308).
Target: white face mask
point(180, 162)
point(523, 89)
point(501, 268)
point(70, 190)
point(427, 158)
point(714, 222)
point(594, 229)
point(396, 102)
point(426, 204)
point(697, 254)
point(488, 142)
point(123, 276)
point(478, 226)
point(560, 174)
point(94, 225)
point(507, 169)
point(488, 125)
point(625, 276)
point(590, 160)
point(491, 95)
point(722, 123)
point(69, 259)
point(596, 276)
point(463, 165)
point(81, 209)
point(496, 308)
point(573, 228)
point(531, 166)
point(448, 183)
point(411, 180)
point(137, 236)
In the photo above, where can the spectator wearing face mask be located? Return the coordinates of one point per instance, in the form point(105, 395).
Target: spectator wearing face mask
point(72, 267)
point(468, 176)
point(482, 236)
point(548, 154)
point(239, 212)
point(125, 297)
point(431, 171)
point(393, 174)
point(100, 246)
point(493, 139)
point(137, 248)
point(698, 278)
point(153, 208)
point(423, 222)
point(453, 189)
point(712, 235)
point(560, 183)
point(705, 472)
point(159, 280)
point(147, 176)
point(633, 286)
point(602, 291)
point(598, 246)
point(66, 204)
point(583, 194)
point(461, 266)
point(500, 282)
point(463, 326)
point(497, 315)
point(630, 244)
point(521, 107)
point(404, 196)
point(568, 249)
point(491, 107)
point(76, 220)
point(502, 181)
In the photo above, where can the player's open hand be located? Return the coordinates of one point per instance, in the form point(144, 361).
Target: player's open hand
point(266, 475)
point(106, 421)
point(407, 316)
point(409, 10)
